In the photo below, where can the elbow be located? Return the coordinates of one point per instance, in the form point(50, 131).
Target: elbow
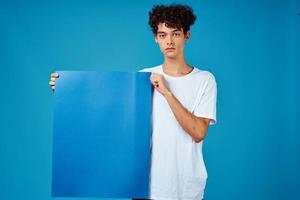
point(199, 135)
point(198, 139)
point(199, 132)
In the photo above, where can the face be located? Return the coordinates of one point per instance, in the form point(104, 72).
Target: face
point(171, 41)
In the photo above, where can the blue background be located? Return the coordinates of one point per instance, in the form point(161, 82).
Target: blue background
point(252, 47)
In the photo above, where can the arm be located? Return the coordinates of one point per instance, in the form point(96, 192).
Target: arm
point(195, 126)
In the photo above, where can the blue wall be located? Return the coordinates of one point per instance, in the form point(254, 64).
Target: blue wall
point(252, 47)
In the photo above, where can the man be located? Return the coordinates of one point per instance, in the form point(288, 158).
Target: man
point(184, 105)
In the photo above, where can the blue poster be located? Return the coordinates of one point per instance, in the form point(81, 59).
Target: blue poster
point(101, 134)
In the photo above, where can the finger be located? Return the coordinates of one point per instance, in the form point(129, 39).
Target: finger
point(52, 83)
point(154, 82)
point(156, 74)
point(55, 75)
point(153, 74)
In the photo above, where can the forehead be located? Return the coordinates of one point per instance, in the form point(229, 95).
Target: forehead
point(161, 27)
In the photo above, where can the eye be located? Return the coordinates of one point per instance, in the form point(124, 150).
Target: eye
point(161, 35)
point(177, 34)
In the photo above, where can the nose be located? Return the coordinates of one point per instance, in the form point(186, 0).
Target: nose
point(170, 40)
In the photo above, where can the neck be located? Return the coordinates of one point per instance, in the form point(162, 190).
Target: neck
point(176, 66)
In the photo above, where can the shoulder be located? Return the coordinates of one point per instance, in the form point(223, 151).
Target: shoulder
point(205, 75)
point(151, 69)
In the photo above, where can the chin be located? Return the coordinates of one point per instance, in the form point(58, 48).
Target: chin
point(170, 56)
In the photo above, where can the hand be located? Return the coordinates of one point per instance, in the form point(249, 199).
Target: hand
point(52, 80)
point(159, 82)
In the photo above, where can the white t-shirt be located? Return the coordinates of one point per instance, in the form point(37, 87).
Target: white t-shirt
point(177, 168)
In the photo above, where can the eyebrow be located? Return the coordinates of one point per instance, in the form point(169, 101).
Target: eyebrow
point(165, 32)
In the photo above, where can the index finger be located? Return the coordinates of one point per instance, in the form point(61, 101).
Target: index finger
point(54, 75)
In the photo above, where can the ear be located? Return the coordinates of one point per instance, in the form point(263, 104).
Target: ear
point(187, 36)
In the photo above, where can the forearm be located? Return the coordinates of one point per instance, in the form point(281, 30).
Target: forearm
point(193, 125)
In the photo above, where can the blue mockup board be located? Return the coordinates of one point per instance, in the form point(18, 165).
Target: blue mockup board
point(101, 134)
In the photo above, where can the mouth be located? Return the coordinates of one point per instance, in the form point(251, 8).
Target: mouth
point(170, 49)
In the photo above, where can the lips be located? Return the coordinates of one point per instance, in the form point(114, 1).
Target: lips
point(170, 49)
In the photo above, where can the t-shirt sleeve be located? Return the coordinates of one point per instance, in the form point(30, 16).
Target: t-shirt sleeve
point(206, 102)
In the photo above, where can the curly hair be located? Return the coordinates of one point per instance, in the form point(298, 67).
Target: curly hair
point(173, 15)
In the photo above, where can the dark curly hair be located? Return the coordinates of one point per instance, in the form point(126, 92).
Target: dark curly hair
point(173, 15)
